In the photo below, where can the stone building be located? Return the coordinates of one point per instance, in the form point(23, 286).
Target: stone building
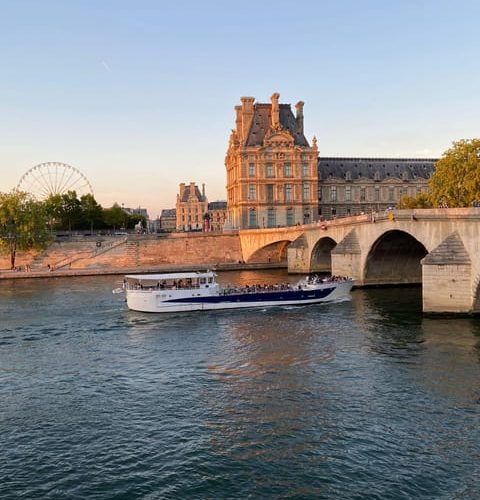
point(192, 205)
point(272, 177)
point(349, 186)
point(217, 213)
point(168, 220)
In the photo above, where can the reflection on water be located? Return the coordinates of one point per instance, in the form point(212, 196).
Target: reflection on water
point(361, 399)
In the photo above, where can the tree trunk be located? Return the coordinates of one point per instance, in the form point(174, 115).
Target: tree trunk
point(13, 254)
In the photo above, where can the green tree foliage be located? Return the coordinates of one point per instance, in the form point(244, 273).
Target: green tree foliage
point(23, 224)
point(456, 181)
point(115, 216)
point(64, 210)
point(91, 211)
point(134, 219)
point(422, 200)
point(67, 212)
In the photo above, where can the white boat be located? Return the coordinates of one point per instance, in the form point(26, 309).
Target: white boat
point(199, 291)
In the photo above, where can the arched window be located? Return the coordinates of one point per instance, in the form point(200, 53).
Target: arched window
point(252, 218)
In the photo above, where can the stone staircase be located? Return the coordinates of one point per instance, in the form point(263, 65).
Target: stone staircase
point(133, 253)
point(61, 255)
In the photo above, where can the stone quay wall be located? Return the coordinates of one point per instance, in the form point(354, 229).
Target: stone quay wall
point(132, 251)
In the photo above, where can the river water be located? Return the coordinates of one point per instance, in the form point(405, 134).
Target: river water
point(361, 399)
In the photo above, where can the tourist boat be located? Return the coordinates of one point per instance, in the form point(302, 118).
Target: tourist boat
point(199, 291)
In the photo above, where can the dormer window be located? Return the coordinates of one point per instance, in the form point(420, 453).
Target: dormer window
point(348, 175)
point(404, 175)
point(376, 176)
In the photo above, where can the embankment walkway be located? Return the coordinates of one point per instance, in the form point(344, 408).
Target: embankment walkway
point(165, 268)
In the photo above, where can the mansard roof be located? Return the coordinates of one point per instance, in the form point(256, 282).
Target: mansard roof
point(262, 116)
point(217, 205)
point(376, 168)
point(187, 195)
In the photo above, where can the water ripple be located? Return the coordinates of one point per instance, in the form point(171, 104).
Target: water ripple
point(360, 399)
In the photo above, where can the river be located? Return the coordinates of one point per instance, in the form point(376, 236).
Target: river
point(360, 399)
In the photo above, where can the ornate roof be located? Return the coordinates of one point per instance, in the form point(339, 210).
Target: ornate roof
point(188, 194)
point(262, 120)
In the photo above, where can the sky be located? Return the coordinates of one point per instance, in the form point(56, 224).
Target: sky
point(139, 95)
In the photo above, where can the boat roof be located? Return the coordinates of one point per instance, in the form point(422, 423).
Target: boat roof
point(171, 276)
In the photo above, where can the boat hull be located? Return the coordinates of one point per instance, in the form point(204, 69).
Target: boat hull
point(154, 301)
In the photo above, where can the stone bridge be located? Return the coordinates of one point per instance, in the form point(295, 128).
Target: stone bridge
point(439, 248)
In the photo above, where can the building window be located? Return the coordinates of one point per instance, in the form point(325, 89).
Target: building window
point(287, 169)
point(288, 192)
point(320, 193)
point(306, 216)
point(333, 193)
point(252, 192)
point(269, 170)
point(290, 217)
point(305, 169)
point(362, 194)
point(252, 218)
point(391, 194)
point(334, 212)
point(251, 169)
point(271, 217)
point(377, 193)
point(348, 193)
point(306, 191)
point(269, 193)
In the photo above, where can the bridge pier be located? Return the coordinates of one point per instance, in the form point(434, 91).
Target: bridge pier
point(447, 278)
point(346, 258)
point(298, 256)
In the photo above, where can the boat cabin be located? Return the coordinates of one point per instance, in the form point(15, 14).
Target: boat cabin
point(170, 281)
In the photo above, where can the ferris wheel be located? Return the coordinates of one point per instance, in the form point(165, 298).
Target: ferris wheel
point(46, 179)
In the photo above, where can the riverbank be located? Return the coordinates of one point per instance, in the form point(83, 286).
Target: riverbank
point(165, 268)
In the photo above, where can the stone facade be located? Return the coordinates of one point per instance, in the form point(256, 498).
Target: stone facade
point(272, 177)
point(192, 205)
point(217, 213)
point(168, 220)
point(351, 186)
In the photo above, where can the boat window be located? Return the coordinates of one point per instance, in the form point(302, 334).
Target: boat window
point(203, 281)
point(210, 280)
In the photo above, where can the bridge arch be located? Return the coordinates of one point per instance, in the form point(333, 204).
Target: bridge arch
point(394, 258)
point(476, 296)
point(321, 256)
point(273, 252)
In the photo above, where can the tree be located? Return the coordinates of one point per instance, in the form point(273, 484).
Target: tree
point(422, 200)
point(114, 216)
point(23, 224)
point(456, 181)
point(64, 210)
point(92, 211)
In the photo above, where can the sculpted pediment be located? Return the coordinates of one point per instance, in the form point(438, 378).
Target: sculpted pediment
point(278, 138)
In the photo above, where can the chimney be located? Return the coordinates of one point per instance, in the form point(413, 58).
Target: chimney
point(182, 189)
point(238, 121)
point(299, 117)
point(275, 110)
point(203, 192)
point(247, 115)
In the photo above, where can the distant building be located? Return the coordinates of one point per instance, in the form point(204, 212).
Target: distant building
point(192, 206)
point(168, 220)
point(272, 177)
point(217, 212)
point(349, 186)
point(136, 211)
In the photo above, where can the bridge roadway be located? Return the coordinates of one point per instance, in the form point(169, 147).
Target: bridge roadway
point(439, 248)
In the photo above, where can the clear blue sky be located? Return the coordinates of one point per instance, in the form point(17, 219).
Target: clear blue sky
point(139, 95)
